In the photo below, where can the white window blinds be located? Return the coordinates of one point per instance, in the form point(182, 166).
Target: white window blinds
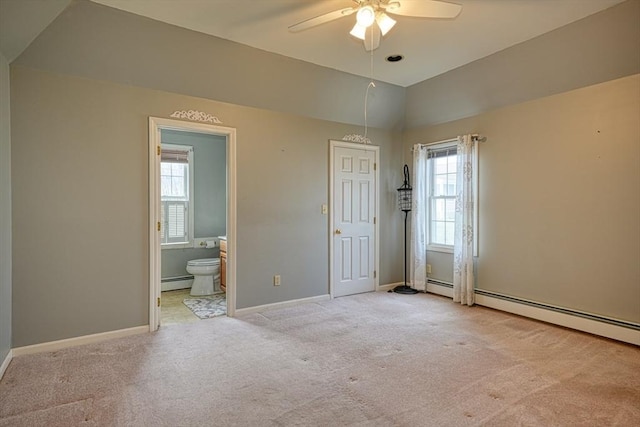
point(176, 193)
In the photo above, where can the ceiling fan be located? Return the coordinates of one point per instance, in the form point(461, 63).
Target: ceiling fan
point(370, 11)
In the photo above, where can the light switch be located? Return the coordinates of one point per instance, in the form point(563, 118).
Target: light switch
point(324, 209)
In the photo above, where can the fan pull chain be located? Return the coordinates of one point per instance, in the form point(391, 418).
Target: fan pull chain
point(369, 86)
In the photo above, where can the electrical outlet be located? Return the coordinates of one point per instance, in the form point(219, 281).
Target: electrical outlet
point(276, 280)
point(428, 268)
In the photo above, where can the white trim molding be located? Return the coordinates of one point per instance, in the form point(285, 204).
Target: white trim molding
point(283, 304)
point(360, 139)
point(156, 124)
point(196, 116)
point(76, 341)
point(5, 363)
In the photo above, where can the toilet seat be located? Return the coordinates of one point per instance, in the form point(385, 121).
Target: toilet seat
point(204, 262)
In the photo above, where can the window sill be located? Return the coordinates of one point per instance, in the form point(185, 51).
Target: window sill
point(186, 245)
point(438, 248)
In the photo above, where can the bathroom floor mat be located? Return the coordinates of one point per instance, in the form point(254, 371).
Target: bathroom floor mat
point(208, 306)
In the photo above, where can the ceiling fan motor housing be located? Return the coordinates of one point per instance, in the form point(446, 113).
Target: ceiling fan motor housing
point(370, 11)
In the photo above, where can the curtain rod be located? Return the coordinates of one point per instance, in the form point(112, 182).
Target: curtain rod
point(474, 137)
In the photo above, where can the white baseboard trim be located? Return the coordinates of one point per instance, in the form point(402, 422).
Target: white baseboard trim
point(175, 285)
point(388, 286)
point(72, 342)
point(283, 304)
point(595, 327)
point(5, 363)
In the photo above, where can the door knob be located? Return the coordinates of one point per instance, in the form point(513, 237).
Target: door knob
point(338, 231)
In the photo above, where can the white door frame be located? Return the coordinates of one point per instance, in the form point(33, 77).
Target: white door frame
point(156, 124)
point(332, 145)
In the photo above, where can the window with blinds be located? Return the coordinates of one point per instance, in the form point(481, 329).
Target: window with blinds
point(176, 193)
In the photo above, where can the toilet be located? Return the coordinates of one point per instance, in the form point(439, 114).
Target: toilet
point(206, 274)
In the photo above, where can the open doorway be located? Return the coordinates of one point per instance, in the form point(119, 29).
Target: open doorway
point(191, 219)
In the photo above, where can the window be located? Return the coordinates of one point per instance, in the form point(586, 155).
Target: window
point(176, 212)
point(442, 192)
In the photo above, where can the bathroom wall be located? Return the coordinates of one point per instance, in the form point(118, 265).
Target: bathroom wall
point(210, 192)
point(5, 212)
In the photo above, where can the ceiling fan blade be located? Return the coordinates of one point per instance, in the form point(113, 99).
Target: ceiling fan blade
point(424, 8)
point(372, 38)
point(321, 19)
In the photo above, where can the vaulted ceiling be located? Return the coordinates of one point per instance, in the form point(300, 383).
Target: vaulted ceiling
point(429, 46)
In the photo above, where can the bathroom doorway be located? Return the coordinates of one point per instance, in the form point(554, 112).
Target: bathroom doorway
point(184, 223)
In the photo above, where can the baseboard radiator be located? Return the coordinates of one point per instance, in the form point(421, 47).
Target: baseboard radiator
point(584, 315)
point(175, 283)
point(175, 279)
point(533, 309)
point(440, 283)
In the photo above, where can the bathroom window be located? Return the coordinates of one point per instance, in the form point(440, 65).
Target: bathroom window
point(176, 211)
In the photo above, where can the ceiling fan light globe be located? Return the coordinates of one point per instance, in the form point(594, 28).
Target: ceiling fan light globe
point(385, 23)
point(358, 31)
point(365, 16)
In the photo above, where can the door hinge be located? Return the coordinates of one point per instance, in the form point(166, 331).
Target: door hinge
point(375, 166)
point(375, 273)
point(159, 150)
point(159, 226)
point(158, 301)
point(374, 220)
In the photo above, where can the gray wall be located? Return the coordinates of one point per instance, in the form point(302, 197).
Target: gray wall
point(81, 96)
point(559, 198)
point(89, 44)
point(95, 41)
point(89, 271)
point(5, 211)
point(210, 193)
point(598, 48)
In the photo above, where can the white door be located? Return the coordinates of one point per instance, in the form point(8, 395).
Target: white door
point(354, 229)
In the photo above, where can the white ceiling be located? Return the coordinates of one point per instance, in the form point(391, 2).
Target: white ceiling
point(429, 46)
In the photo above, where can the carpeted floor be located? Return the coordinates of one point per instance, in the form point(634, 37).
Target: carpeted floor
point(375, 359)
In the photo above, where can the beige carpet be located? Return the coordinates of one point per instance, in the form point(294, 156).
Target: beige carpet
point(366, 360)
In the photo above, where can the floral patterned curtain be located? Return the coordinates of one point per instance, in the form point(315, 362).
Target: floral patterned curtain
point(463, 275)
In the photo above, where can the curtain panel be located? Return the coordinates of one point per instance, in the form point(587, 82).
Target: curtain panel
point(418, 269)
point(463, 275)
